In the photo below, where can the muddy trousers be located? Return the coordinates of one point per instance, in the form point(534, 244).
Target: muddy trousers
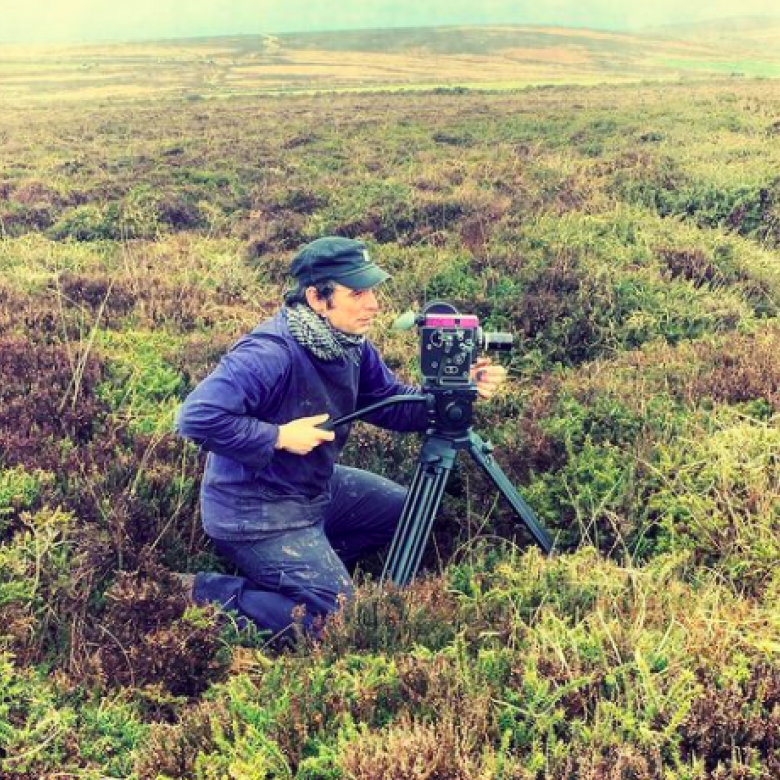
point(303, 573)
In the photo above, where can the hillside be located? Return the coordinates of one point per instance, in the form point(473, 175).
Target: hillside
point(629, 237)
point(756, 33)
point(471, 57)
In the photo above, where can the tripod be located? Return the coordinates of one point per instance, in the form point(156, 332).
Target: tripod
point(450, 413)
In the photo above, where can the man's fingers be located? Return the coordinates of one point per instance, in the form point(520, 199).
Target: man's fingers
point(490, 374)
point(493, 373)
point(489, 379)
point(323, 435)
point(482, 368)
point(301, 436)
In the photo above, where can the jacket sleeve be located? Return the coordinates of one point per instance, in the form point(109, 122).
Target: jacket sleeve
point(224, 413)
point(378, 382)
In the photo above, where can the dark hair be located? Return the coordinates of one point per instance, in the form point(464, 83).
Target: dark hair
point(324, 291)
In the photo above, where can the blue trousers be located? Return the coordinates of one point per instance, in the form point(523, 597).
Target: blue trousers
point(303, 572)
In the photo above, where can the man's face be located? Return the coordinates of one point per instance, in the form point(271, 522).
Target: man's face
point(350, 311)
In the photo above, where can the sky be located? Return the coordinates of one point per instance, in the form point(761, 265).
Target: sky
point(49, 21)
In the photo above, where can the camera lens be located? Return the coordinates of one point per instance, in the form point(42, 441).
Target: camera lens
point(497, 342)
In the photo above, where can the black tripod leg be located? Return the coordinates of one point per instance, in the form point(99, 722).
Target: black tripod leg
point(405, 524)
point(405, 567)
point(480, 452)
point(414, 528)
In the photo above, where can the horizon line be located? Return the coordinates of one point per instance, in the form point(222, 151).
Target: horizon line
point(346, 30)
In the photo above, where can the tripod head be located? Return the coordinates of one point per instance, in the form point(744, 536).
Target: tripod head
point(449, 409)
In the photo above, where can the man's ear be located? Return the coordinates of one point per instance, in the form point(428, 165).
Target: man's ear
point(314, 300)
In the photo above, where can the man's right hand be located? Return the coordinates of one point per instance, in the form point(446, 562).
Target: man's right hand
point(301, 436)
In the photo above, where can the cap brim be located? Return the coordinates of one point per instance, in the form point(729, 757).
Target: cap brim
point(365, 279)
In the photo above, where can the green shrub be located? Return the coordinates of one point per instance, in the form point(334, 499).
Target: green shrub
point(241, 742)
point(575, 301)
point(110, 730)
point(383, 210)
point(142, 387)
point(717, 495)
point(86, 223)
point(16, 219)
point(456, 282)
point(749, 210)
point(139, 214)
point(36, 728)
point(19, 491)
point(35, 571)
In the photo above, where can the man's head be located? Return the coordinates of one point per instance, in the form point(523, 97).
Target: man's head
point(336, 278)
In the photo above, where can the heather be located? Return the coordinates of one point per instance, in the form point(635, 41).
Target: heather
point(627, 236)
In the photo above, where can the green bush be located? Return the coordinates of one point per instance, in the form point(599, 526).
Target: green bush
point(139, 214)
point(750, 210)
point(36, 727)
point(35, 570)
point(142, 387)
point(717, 495)
point(19, 490)
point(382, 210)
point(86, 223)
point(110, 729)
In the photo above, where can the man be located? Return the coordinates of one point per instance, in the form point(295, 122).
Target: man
point(273, 500)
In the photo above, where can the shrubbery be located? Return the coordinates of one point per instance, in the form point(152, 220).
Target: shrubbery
point(632, 258)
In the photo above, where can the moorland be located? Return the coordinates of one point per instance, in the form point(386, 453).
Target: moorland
point(627, 234)
point(495, 58)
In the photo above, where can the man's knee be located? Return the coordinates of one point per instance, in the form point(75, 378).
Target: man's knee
point(385, 499)
point(320, 592)
point(389, 512)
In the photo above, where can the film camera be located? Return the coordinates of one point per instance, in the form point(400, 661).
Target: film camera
point(450, 343)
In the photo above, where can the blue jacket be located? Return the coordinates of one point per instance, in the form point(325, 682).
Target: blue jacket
point(265, 380)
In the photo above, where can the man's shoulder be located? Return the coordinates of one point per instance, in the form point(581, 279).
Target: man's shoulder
point(266, 344)
point(370, 353)
point(270, 333)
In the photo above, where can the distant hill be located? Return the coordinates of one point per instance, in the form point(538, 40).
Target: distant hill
point(455, 41)
point(489, 57)
point(761, 33)
point(721, 27)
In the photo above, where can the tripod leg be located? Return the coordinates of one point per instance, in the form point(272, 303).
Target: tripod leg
point(405, 523)
point(425, 494)
point(404, 567)
point(480, 452)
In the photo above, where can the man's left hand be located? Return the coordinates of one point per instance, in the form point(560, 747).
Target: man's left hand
point(488, 377)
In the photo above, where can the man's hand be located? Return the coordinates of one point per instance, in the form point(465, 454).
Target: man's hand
point(488, 377)
point(301, 436)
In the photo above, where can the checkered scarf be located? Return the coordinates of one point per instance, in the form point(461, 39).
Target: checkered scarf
point(316, 334)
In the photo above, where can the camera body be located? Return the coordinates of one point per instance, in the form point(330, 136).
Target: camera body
point(448, 347)
point(450, 343)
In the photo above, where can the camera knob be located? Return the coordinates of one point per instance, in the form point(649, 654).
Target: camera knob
point(456, 412)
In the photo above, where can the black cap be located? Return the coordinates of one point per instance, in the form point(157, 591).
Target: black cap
point(342, 260)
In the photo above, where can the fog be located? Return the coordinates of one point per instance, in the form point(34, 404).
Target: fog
point(94, 20)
